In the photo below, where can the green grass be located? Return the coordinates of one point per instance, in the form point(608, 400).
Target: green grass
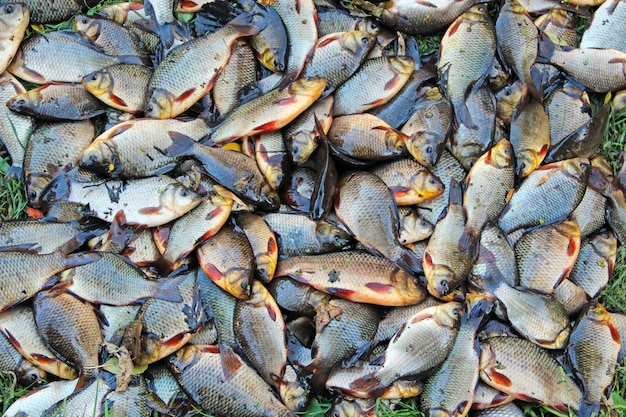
point(12, 195)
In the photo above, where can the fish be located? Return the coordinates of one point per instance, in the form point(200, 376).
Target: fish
point(413, 228)
point(112, 37)
point(272, 158)
point(592, 352)
point(36, 272)
point(14, 18)
point(53, 11)
point(522, 369)
point(167, 326)
point(239, 72)
point(56, 102)
point(506, 410)
point(356, 276)
point(567, 107)
point(570, 174)
point(600, 70)
point(517, 42)
point(595, 262)
point(338, 56)
point(546, 256)
point(37, 60)
point(180, 80)
point(121, 86)
point(560, 26)
point(326, 177)
point(496, 259)
point(233, 170)
point(271, 45)
point(508, 100)
point(132, 401)
point(428, 127)
point(170, 30)
point(152, 201)
point(410, 182)
point(14, 128)
point(530, 136)
point(253, 397)
point(374, 225)
point(297, 234)
point(485, 198)
point(269, 112)
point(487, 398)
point(366, 137)
point(292, 295)
point(11, 361)
point(343, 333)
point(227, 259)
point(19, 329)
point(604, 30)
point(467, 53)
point(436, 327)
point(452, 387)
point(446, 262)
point(70, 328)
point(41, 399)
point(263, 242)
point(571, 296)
point(389, 73)
point(89, 398)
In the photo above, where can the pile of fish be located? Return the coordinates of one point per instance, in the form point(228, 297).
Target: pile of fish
point(282, 199)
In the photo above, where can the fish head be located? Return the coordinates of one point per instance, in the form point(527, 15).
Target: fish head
point(331, 236)
point(561, 18)
point(179, 199)
point(570, 229)
point(357, 42)
point(478, 13)
point(438, 412)
point(36, 185)
point(526, 162)
point(160, 105)
point(501, 155)
point(605, 244)
point(102, 158)
point(294, 395)
point(424, 147)
point(368, 25)
point(425, 185)
point(439, 278)
point(346, 408)
point(272, 60)
point(597, 313)
point(87, 26)
point(29, 375)
point(183, 358)
point(449, 314)
point(13, 14)
point(98, 82)
point(302, 146)
point(307, 86)
point(237, 282)
point(402, 65)
point(26, 102)
point(395, 141)
point(414, 229)
point(266, 266)
point(577, 168)
point(405, 389)
point(508, 99)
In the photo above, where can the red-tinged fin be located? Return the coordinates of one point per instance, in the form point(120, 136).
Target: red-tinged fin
point(84, 380)
point(380, 288)
point(327, 40)
point(527, 398)
point(119, 129)
point(543, 151)
point(454, 27)
point(117, 100)
point(428, 260)
point(271, 310)
point(210, 349)
point(298, 6)
point(500, 379)
point(182, 145)
point(185, 95)
point(40, 79)
point(572, 246)
point(230, 362)
point(611, 266)
point(13, 340)
point(619, 60)
point(214, 213)
point(272, 246)
point(34, 213)
point(425, 3)
point(136, 5)
point(187, 4)
point(150, 211)
point(368, 384)
point(167, 289)
point(286, 101)
point(614, 333)
point(399, 191)
point(175, 340)
point(268, 127)
point(391, 83)
point(488, 157)
point(340, 292)
point(43, 359)
point(420, 316)
point(211, 271)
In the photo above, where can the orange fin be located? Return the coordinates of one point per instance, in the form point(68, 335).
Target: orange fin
point(379, 287)
point(118, 101)
point(185, 95)
point(230, 362)
point(150, 211)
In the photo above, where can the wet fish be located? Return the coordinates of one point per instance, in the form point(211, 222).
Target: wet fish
point(567, 108)
point(53, 11)
point(270, 45)
point(410, 182)
point(595, 262)
point(294, 296)
point(263, 242)
point(121, 86)
point(530, 136)
point(272, 158)
point(41, 399)
point(56, 102)
point(496, 259)
point(239, 72)
point(413, 228)
point(560, 26)
point(605, 30)
point(14, 18)
point(11, 361)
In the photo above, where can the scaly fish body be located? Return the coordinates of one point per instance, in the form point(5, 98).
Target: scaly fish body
point(606, 29)
point(530, 136)
point(263, 242)
point(595, 263)
point(123, 86)
point(410, 182)
point(301, 135)
point(14, 20)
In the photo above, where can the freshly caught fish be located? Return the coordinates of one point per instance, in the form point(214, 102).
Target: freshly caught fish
point(366, 207)
point(394, 319)
point(294, 296)
point(236, 389)
point(338, 56)
point(41, 399)
point(56, 102)
point(70, 328)
point(326, 177)
point(606, 29)
point(181, 79)
point(219, 307)
point(14, 18)
point(239, 72)
point(508, 101)
point(487, 398)
point(506, 410)
point(332, 19)
point(355, 276)
point(297, 234)
point(171, 31)
point(89, 398)
point(522, 369)
point(53, 11)
point(263, 242)
point(560, 26)
point(530, 136)
point(366, 137)
point(233, 170)
point(227, 259)
point(270, 45)
point(410, 182)
point(567, 108)
point(571, 296)
point(343, 332)
point(592, 352)
point(599, 70)
point(131, 402)
point(446, 261)
point(37, 60)
point(546, 256)
point(14, 128)
point(595, 263)
point(385, 77)
point(272, 158)
point(531, 206)
point(413, 228)
point(11, 361)
point(122, 86)
point(496, 259)
point(18, 325)
point(466, 55)
point(435, 327)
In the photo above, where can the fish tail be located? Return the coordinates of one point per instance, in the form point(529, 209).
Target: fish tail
point(78, 259)
point(250, 22)
point(409, 261)
point(315, 377)
point(468, 240)
point(182, 145)
point(546, 50)
point(368, 384)
point(13, 173)
point(588, 409)
point(167, 289)
point(462, 115)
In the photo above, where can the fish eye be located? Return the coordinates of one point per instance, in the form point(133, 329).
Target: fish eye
point(149, 108)
point(431, 181)
point(522, 165)
point(583, 165)
point(424, 223)
point(455, 312)
point(481, 9)
point(507, 92)
point(429, 149)
point(32, 195)
point(9, 9)
point(365, 41)
point(85, 21)
point(570, 13)
point(94, 77)
point(244, 285)
point(185, 192)
point(335, 414)
point(21, 102)
point(33, 377)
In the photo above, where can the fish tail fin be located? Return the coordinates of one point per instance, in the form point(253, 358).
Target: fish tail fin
point(468, 240)
point(479, 309)
point(546, 50)
point(462, 115)
point(167, 32)
point(409, 261)
point(167, 289)
point(182, 145)
point(315, 377)
point(81, 258)
point(250, 22)
point(588, 409)
point(369, 384)
point(13, 173)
